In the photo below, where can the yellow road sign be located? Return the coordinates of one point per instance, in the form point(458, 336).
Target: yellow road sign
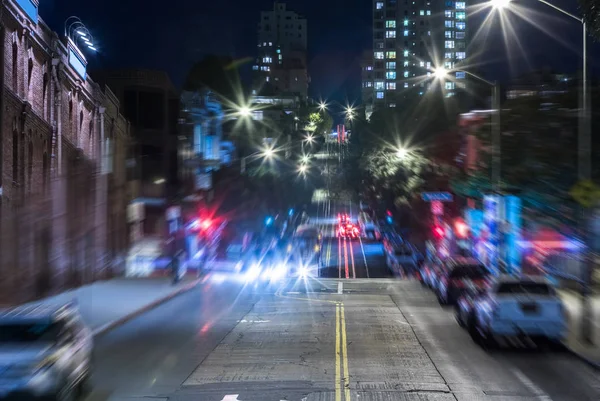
point(586, 193)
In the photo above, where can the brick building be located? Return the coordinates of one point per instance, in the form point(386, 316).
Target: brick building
point(57, 128)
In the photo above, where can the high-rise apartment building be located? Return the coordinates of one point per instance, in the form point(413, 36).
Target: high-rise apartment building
point(410, 39)
point(282, 42)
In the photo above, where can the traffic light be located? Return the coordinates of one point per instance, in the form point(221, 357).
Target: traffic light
point(205, 224)
point(389, 218)
point(438, 232)
point(388, 212)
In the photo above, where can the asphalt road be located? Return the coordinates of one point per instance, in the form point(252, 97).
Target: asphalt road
point(321, 339)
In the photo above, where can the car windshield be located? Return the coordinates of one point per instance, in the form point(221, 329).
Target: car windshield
point(28, 332)
point(469, 271)
point(525, 288)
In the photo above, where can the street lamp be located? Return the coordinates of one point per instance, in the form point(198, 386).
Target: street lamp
point(401, 153)
point(302, 168)
point(322, 106)
point(73, 25)
point(245, 111)
point(442, 73)
point(305, 159)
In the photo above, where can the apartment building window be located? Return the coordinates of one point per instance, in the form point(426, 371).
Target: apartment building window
point(461, 15)
point(267, 60)
point(392, 105)
point(390, 24)
point(405, 33)
point(390, 65)
point(390, 74)
point(449, 24)
point(421, 12)
point(405, 22)
point(369, 68)
point(448, 34)
point(406, 74)
point(459, 35)
point(460, 5)
point(379, 95)
point(378, 55)
point(448, 65)
point(379, 45)
point(390, 55)
point(406, 84)
point(428, 12)
point(405, 63)
point(390, 34)
point(461, 26)
point(428, 64)
point(460, 75)
point(448, 55)
point(460, 45)
point(369, 84)
point(390, 86)
point(379, 5)
point(461, 85)
point(449, 85)
point(448, 14)
point(405, 53)
point(379, 85)
point(449, 44)
point(460, 55)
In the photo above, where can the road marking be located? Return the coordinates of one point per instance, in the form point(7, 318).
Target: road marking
point(531, 386)
point(231, 397)
point(340, 287)
point(346, 377)
point(364, 256)
point(338, 381)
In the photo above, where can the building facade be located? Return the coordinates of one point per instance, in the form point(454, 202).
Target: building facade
point(53, 184)
point(281, 64)
point(410, 39)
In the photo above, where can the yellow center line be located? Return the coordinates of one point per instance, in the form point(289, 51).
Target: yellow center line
point(346, 377)
point(338, 380)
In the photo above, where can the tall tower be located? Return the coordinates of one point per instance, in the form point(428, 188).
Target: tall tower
point(281, 65)
point(410, 39)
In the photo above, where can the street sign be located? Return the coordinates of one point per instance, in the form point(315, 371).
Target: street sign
point(436, 196)
point(437, 208)
point(586, 193)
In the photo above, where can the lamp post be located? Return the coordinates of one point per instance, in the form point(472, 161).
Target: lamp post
point(584, 147)
point(266, 153)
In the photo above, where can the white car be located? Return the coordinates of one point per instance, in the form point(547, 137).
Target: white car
point(45, 353)
point(524, 307)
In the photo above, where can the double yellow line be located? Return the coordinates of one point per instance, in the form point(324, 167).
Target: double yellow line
point(342, 374)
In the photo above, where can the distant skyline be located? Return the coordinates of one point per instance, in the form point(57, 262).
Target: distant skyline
point(131, 33)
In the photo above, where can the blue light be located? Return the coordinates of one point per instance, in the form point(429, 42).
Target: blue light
point(269, 220)
point(291, 212)
point(389, 219)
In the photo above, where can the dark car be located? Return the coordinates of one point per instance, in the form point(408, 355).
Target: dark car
point(459, 275)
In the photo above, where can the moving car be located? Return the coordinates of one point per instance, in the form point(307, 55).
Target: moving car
point(525, 306)
point(401, 258)
point(45, 353)
point(343, 218)
point(459, 275)
point(306, 245)
point(349, 230)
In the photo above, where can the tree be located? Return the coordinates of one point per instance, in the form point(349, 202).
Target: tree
point(591, 15)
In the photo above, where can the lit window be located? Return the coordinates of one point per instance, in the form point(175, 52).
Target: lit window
point(449, 85)
point(461, 26)
point(461, 85)
point(390, 86)
point(405, 53)
point(390, 34)
point(255, 67)
point(267, 60)
point(460, 55)
point(390, 23)
point(392, 104)
point(460, 5)
point(448, 65)
point(369, 84)
point(460, 75)
point(379, 5)
point(405, 33)
point(378, 85)
point(428, 12)
point(428, 33)
point(461, 15)
point(421, 64)
point(390, 74)
point(449, 44)
point(265, 44)
point(448, 14)
point(278, 50)
point(459, 35)
point(428, 73)
point(379, 45)
point(369, 68)
point(448, 55)
point(428, 64)
point(406, 63)
point(449, 24)
point(379, 55)
point(421, 12)
point(391, 54)
point(405, 22)
point(390, 65)
point(406, 84)
point(448, 34)
point(267, 79)
point(379, 95)
point(405, 74)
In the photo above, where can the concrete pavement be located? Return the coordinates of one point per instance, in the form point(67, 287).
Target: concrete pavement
point(377, 339)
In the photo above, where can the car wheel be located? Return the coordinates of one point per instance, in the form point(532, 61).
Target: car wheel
point(458, 316)
point(484, 340)
point(442, 300)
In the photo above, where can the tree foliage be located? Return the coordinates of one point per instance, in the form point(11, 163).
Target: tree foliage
point(591, 15)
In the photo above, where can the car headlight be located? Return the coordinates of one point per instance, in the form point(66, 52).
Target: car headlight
point(254, 272)
point(317, 247)
point(303, 271)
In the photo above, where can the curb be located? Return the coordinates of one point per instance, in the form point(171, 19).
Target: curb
point(593, 364)
point(105, 328)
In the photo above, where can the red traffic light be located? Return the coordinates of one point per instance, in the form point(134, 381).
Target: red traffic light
point(388, 212)
point(205, 224)
point(438, 231)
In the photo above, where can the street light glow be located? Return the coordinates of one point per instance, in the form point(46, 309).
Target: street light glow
point(302, 168)
point(310, 138)
point(268, 153)
point(245, 111)
point(500, 4)
point(401, 153)
point(305, 159)
point(92, 47)
point(323, 106)
point(81, 33)
point(440, 72)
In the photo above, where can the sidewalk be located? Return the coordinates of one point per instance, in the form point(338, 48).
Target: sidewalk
point(572, 302)
point(105, 305)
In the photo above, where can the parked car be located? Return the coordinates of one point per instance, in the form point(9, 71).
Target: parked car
point(402, 258)
point(45, 353)
point(428, 271)
point(526, 306)
point(459, 275)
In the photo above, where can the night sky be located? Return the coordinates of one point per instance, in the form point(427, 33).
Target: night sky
point(171, 35)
